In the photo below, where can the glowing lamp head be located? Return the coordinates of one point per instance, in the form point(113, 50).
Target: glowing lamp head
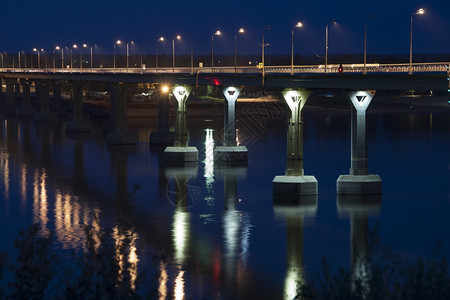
point(178, 37)
point(241, 30)
point(161, 39)
point(420, 11)
point(75, 46)
point(299, 25)
point(119, 42)
point(57, 48)
point(165, 89)
point(218, 32)
point(84, 46)
point(34, 49)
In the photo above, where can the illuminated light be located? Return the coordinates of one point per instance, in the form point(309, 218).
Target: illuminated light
point(241, 30)
point(421, 11)
point(299, 25)
point(119, 42)
point(179, 286)
point(163, 279)
point(209, 159)
point(75, 46)
point(34, 49)
point(218, 32)
point(57, 48)
point(216, 81)
point(178, 37)
point(161, 39)
point(165, 89)
point(84, 46)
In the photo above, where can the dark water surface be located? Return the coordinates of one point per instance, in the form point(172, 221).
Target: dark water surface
point(228, 236)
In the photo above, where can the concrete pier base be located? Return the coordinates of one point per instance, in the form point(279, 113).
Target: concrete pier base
point(121, 138)
point(293, 186)
point(78, 126)
point(25, 112)
point(45, 116)
point(359, 185)
point(180, 154)
point(230, 153)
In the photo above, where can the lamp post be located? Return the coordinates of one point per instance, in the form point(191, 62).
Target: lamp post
point(38, 57)
point(128, 54)
point(241, 30)
point(161, 39)
point(298, 25)
point(421, 11)
point(212, 49)
point(90, 48)
point(326, 43)
point(365, 42)
point(118, 42)
point(71, 57)
point(263, 45)
point(62, 57)
point(178, 37)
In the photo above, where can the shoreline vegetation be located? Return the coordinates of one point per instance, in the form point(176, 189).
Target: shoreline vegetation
point(98, 271)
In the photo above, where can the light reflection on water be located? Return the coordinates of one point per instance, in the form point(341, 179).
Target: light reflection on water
point(234, 238)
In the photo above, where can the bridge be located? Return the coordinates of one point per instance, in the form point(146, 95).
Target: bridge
point(295, 84)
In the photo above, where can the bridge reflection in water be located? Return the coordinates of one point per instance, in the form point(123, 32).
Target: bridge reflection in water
point(67, 180)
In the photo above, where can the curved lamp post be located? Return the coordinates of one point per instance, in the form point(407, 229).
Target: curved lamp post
point(118, 42)
point(212, 49)
point(241, 30)
point(128, 54)
point(333, 21)
point(418, 12)
point(161, 39)
point(178, 37)
point(298, 25)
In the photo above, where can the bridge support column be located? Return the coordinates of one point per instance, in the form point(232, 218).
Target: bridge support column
point(230, 151)
point(121, 135)
point(9, 108)
point(57, 99)
point(44, 115)
point(181, 152)
point(294, 183)
point(163, 135)
point(25, 110)
point(78, 124)
point(359, 181)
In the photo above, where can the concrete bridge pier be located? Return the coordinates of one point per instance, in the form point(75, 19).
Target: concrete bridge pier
point(121, 135)
point(163, 135)
point(57, 99)
point(78, 124)
point(295, 183)
point(9, 108)
point(42, 91)
point(230, 151)
point(26, 110)
point(181, 152)
point(359, 181)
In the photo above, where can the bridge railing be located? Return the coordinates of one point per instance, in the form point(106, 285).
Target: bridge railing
point(297, 69)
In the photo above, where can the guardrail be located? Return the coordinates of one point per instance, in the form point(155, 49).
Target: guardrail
point(298, 69)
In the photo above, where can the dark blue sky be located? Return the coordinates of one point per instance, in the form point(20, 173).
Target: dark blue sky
point(45, 23)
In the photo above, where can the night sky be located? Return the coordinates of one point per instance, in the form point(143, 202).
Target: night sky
point(26, 24)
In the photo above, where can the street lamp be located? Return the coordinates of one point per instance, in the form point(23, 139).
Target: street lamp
point(62, 57)
point(85, 46)
point(298, 25)
point(263, 45)
point(421, 11)
point(118, 42)
point(178, 37)
point(365, 42)
point(128, 54)
point(38, 58)
point(333, 21)
point(241, 30)
point(161, 39)
point(212, 49)
point(71, 56)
